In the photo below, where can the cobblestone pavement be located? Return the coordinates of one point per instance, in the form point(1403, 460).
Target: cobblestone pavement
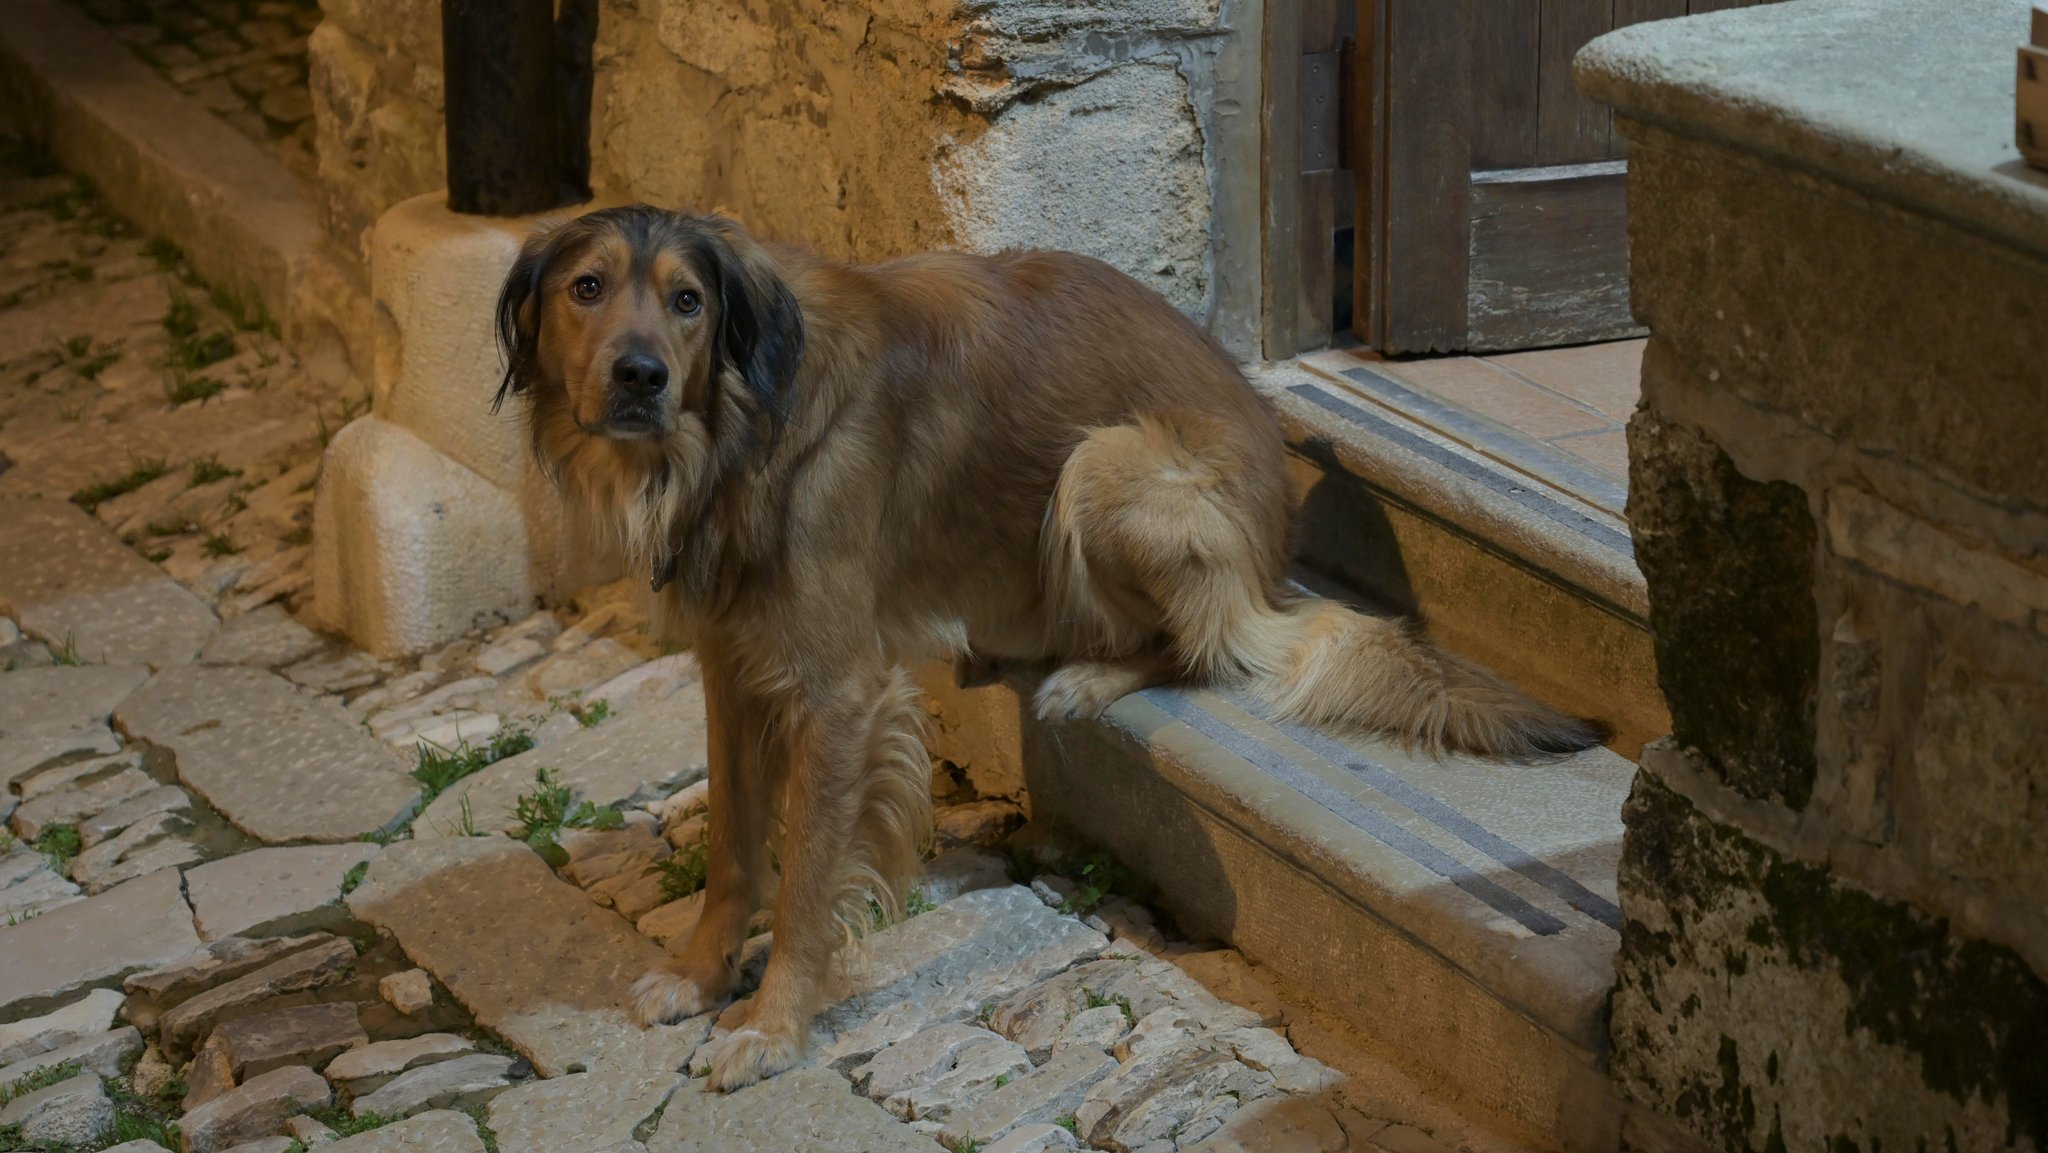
point(259, 890)
point(245, 60)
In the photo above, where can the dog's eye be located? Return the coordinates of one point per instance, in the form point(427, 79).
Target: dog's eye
point(688, 302)
point(587, 288)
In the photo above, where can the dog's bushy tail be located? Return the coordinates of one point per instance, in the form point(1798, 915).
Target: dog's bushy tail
point(1322, 663)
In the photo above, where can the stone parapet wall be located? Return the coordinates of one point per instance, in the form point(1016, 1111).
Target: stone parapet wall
point(866, 130)
point(1834, 880)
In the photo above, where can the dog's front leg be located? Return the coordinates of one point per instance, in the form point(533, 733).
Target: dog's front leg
point(744, 751)
point(835, 737)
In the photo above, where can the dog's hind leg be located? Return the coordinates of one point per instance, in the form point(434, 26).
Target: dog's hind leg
point(857, 810)
point(1157, 531)
point(745, 747)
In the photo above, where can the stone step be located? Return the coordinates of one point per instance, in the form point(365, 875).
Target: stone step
point(1460, 914)
point(1512, 557)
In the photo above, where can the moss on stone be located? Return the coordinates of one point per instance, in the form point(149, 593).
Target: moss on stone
point(1730, 566)
point(1972, 1013)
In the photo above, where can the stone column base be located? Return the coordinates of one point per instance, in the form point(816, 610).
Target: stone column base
point(431, 518)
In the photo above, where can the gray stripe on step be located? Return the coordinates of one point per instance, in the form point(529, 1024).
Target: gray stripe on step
point(1523, 493)
point(1443, 816)
point(1375, 825)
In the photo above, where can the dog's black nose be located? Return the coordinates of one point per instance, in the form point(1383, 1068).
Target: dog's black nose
point(640, 374)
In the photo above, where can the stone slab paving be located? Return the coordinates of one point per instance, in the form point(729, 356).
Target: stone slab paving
point(583, 1112)
point(47, 712)
point(264, 885)
point(66, 579)
point(139, 925)
point(281, 765)
point(647, 753)
point(807, 1109)
point(441, 1131)
point(88, 1016)
point(525, 952)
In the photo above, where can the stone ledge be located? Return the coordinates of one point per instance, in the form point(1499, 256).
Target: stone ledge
point(1856, 92)
point(244, 221)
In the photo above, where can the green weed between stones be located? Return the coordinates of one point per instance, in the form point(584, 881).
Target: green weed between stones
point(964, 1145)
point(681, 873)
point(483, 1128)
point(208, 469)
point(440, 767)
point(547, 810)
point(354, 877)
point(60, 843)
point(218, 544)
point(65, 652)
point(346, 1126)
point(593, 714)
point(140, 472)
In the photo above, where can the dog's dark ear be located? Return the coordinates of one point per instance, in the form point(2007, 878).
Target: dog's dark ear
point(761, 326)
point(519, 312)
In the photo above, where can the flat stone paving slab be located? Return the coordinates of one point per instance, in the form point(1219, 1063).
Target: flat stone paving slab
point(65, 577)
point(441, 1131)
point(945, 964)
point(281, 765)
point(139, 925)
point(808, 1109)
point(265, 885)
point(45, 711)
point(525, 952)
point(659, 746)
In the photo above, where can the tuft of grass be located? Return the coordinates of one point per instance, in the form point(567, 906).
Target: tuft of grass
point(681, 873)
point(1066, 1121)
point(354, 877)
point(140, 473)
point(217, 545)
point(543, 813)
point(60, 843)
point(181, 319)
point(139, 1118)
point(157, 555)
point(437, 767)
point(167, 527)
point(41, 1078)
point(65, 652)
point(246, 311)
point(345, 1125)
point(593, 714)
point(964, 1145)
point(484, 1132)
point(182, 387)
point(208, 469)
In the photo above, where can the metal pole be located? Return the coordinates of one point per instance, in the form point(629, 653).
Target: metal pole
point(505, 131)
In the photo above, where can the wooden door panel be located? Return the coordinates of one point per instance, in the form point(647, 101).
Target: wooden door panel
point(1570, 129)
point(1426, 169)
point(1548, 257)
point(1504, 90)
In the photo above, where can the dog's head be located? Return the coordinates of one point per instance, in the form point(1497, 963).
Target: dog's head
point(638, 325)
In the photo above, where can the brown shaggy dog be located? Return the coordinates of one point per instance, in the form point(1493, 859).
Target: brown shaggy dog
point(833, 470)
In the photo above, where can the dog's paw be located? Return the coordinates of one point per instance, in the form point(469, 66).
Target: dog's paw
point(738, 1060)
point(663, 998)
point(1081, 691)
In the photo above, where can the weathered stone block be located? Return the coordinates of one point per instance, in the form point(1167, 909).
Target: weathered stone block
point(410, 548)
point(1766, 1005)
point(1730, 567)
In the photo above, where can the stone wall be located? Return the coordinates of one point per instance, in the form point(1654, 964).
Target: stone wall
point(1834, 878)
point(865, 129)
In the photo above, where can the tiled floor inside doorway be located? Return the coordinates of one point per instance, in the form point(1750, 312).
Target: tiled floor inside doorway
point(1557, 414)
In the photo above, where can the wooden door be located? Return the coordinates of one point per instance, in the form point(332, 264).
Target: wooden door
point(1489, 193)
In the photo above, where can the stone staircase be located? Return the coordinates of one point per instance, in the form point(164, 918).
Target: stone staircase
point(1460, 915)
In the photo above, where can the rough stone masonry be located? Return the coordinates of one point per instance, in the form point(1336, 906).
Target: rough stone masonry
point(1836, 896)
